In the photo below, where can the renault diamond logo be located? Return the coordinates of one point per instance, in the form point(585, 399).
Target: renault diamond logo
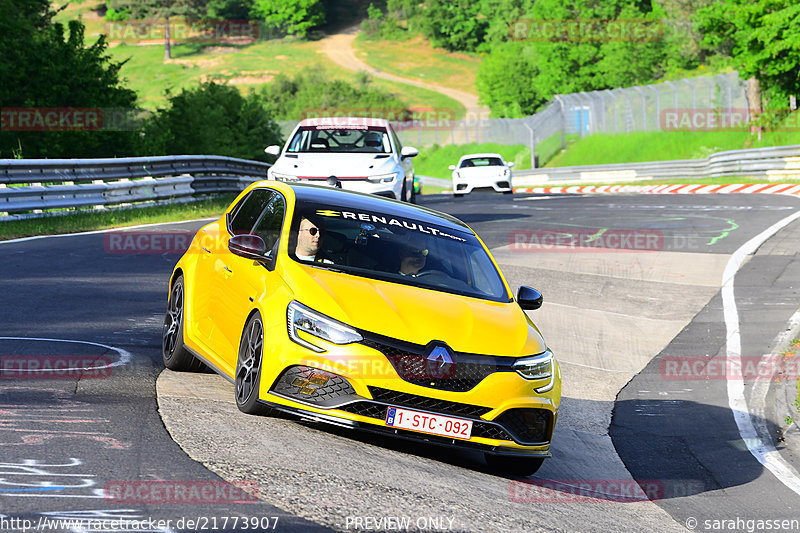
point(440, 355)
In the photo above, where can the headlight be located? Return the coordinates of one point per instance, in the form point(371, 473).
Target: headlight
point(301, 318)
point(507, 172)
point(283, 177)
point(537, 367)
point(382, 177)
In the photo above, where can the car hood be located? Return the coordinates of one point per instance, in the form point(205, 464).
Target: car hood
point(339, 165)
point(417, 315)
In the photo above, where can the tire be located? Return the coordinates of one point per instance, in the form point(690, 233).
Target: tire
point(405, 195)
point(248, 368)
point(173, 352)
point(515, 466)
point(458, 196)
point(413, 195)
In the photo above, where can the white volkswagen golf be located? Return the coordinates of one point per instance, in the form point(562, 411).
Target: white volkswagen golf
point(476, 171)
point(363, 154)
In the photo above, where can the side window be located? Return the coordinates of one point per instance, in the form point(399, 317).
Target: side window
point(397, 142)
point(269, 226)
point(246, 214)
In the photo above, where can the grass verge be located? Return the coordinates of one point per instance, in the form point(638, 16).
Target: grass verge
point(638, 147)
point(114, 218)
point(417, 59)
point(434, 161)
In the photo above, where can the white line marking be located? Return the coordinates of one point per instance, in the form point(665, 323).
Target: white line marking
point(762, 450)
point(124, 356)
point(562, 362)
point(95, 232)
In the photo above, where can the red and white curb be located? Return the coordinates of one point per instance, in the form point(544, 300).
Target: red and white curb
point(736, 188)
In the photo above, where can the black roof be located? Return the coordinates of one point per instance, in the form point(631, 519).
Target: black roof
point(376, 204)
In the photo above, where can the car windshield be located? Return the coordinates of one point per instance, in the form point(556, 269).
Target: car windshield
point(337, 139)
point(482, 162)
point(394, 248)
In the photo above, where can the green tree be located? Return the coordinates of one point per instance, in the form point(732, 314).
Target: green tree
point(566, 46)
point(211, 119)
point(45, 65)
point(312, 93)
point(454, 24)
point(161, 10)
point(229, 9)
point(763, 41)
point(504, 81)
point(296, 17)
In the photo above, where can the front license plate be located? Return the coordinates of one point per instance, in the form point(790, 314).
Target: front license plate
point(446, 426)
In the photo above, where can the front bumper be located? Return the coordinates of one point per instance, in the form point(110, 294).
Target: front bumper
point(498, 184)
point(334, 390)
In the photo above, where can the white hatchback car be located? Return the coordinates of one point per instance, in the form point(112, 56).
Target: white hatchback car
point(363, 154)
point(476, 171)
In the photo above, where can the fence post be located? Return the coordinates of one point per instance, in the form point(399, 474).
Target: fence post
point(533, 145)
point(640, 92)
point(657, 121)
point(563, 124)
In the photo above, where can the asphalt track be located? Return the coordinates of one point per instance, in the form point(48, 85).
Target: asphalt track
point(611, 318)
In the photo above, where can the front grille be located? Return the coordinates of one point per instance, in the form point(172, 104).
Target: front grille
point(423, 403)
point(412, 364)
point(368, 409)
point(314, 386)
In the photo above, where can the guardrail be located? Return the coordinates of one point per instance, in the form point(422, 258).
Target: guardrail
point(773, 163)
point(39, 184)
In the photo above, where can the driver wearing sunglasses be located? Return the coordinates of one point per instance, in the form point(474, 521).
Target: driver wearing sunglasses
point(412, 260)
point(308, 236)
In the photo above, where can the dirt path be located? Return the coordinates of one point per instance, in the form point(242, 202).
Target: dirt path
point(339, 49)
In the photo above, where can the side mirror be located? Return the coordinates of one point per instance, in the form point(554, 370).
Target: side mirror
point(273, 150)
point(529, 298)
point(510, 164)
point(451, 167)
point(408, 151)
point(249, 247)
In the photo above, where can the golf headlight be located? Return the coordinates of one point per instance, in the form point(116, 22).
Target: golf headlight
point(507, 172)
point(537, 367)
point(283, 177)
point(382, 177)
point(301, 318)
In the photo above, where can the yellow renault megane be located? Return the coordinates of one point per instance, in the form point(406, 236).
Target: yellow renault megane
point(368, 313)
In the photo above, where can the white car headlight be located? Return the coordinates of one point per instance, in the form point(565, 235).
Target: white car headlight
point(507, 172)
point(537, 367)
point(301, 318)
point(382, 177)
